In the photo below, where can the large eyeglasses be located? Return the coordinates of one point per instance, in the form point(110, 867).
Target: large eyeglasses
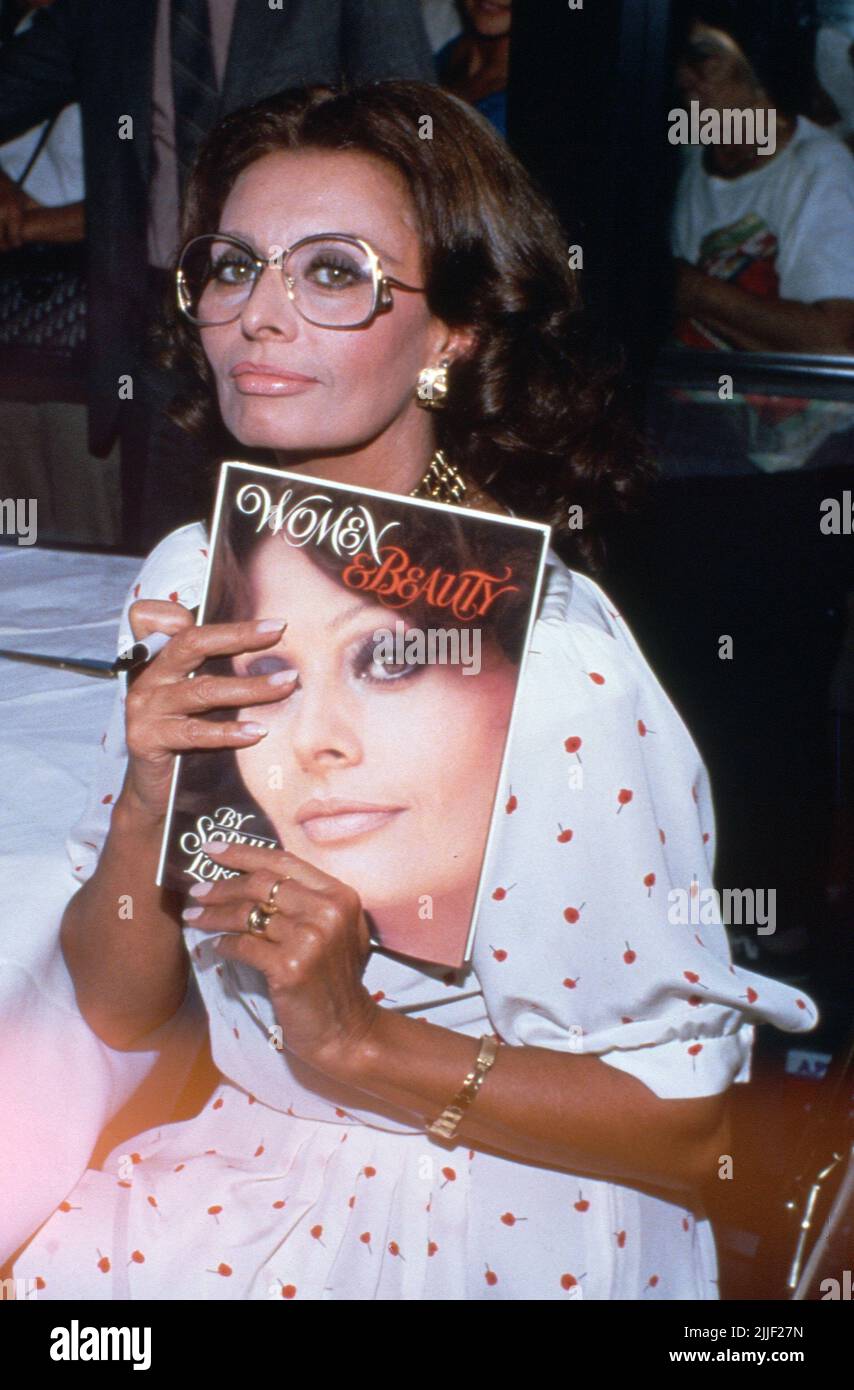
point(332, 280)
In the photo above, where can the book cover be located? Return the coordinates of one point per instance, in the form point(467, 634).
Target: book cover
point(408, 623)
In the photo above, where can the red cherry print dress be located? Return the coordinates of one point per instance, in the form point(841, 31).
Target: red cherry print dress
point(286, 1186)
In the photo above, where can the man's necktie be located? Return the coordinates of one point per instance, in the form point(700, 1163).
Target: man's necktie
point(194, 81)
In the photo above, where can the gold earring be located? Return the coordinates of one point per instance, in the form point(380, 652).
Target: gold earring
point(431, 388)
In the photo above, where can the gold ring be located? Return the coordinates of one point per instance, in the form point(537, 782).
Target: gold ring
point(270, 905)
point(256, 922)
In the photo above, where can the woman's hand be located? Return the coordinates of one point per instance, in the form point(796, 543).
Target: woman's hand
point(164, 706)
point(314, 953)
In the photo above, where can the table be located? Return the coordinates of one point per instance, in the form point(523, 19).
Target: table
point(62, 603)
point(59, 1084)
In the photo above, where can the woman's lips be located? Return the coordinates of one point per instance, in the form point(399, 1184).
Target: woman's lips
point(255, 379)
point(345, 823)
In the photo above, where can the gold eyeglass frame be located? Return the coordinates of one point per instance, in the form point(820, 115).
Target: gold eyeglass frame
point(382, 283)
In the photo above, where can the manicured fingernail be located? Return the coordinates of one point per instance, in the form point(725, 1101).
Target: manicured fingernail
point(282, 677)
point(253, 730)
point(270, 625)
point(191, 913)
point(198, 890)
point(215, 846)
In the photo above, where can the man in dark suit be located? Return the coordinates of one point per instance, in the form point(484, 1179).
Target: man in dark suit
point(152, 77)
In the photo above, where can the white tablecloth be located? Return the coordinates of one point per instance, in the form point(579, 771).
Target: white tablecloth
point(58, 1083)
point(61, 603)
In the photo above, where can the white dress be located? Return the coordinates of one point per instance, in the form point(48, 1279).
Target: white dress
point(286, 1185)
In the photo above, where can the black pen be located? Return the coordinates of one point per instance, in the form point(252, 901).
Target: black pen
point(131, 660)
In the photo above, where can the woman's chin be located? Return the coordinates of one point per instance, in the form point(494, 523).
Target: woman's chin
point(257, 435)
point(371, 881)
point(265, 426)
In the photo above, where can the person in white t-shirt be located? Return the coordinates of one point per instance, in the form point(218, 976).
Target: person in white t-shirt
point(764, 242)
point(49, 204)
point(44, 450)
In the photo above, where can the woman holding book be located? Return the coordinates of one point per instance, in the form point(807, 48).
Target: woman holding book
point(409, 824)
point(542, 1125)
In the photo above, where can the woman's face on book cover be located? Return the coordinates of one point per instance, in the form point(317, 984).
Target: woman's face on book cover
point(362, 379)
point(411, 753)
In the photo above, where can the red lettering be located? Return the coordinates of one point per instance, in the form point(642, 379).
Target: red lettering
point(398, 583)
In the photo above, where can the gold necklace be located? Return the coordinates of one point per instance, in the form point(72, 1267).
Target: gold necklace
point(442, 482)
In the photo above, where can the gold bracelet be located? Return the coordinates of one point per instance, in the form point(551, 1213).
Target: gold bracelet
point(446, 1125)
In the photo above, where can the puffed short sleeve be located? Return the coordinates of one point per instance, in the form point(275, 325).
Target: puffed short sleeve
point(174, 571)
point(601, 931)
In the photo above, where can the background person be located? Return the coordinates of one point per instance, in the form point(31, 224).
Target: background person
point(44, 451)
point(763, 242)
point(475, 64)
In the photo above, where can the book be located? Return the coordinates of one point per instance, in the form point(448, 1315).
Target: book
point(408, 625)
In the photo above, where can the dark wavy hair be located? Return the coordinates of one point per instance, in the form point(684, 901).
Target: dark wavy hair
point(531, 412)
